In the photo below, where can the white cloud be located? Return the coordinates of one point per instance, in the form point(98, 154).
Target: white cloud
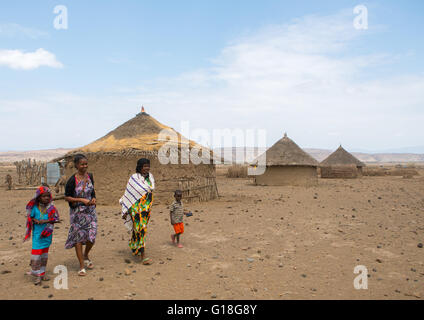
point(303, 78)
point(17, 59)
point(13, 30)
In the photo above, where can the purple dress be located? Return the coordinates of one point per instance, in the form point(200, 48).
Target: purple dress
point(83, 218)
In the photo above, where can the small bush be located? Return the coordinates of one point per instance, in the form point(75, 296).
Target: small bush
point(374, 172)
point(237, 171)
point(403, 172)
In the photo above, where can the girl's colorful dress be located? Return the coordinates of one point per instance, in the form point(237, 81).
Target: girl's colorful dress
point(83, 218)
point(42, 234)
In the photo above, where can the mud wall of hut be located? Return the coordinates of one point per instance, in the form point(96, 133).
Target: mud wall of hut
point(112, 171)
point(340, 172)
point(288, 175)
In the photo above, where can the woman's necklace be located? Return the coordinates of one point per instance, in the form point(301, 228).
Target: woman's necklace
point(42, 212)
point(83, 179)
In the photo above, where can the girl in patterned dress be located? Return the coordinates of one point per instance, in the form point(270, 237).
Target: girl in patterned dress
point(80, 194)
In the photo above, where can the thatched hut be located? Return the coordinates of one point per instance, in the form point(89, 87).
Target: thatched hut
point(287, 164)
point(341, 164)
point(112, 160)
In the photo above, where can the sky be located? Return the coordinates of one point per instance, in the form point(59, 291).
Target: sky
point(301, 67)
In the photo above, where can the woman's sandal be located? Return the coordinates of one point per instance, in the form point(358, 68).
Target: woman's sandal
point(82, 272)
point(147, 261)
point(88, 264)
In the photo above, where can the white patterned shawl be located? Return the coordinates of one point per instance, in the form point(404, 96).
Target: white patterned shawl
point(137, 187)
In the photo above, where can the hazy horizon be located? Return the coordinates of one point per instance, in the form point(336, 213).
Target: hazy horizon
point(327, 149)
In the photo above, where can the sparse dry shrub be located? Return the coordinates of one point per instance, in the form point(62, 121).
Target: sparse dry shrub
point(394, 172)
point(403, 172)
point(374, 172)
point(237, 171)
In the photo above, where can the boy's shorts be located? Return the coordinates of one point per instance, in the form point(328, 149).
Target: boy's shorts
point(179, 228)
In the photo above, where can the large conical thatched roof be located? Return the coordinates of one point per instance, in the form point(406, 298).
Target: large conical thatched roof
point(286, 152)
point(140, 132)
point(341, 157)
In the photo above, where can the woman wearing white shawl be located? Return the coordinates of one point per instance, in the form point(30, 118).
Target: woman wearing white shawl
point(136, 204)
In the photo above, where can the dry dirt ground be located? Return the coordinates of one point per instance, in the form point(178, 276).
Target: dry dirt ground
point(251, 243)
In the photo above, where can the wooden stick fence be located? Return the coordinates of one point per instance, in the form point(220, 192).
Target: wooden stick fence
point(30, 172)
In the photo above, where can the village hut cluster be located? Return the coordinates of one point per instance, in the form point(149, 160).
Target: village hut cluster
point(112, 160)
point(287, 164)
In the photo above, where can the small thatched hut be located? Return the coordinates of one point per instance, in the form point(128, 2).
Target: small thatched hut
point(341, 164)
point(112, 159)
point(287, 164)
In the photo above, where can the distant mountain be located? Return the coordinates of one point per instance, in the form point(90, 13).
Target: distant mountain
point(39, 155)
point(414, 150)
point(321, 154)
point(244, 154)
point(238, 155)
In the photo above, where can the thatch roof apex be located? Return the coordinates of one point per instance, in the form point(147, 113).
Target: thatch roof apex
point(285, 152)
point(341, 157)
point(138, 133)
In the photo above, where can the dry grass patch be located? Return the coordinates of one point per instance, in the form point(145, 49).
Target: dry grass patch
point(237, 171)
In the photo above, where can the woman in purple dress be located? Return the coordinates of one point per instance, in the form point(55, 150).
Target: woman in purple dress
point(79, 192)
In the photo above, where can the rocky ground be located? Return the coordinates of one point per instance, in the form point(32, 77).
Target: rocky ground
point(251, 243)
